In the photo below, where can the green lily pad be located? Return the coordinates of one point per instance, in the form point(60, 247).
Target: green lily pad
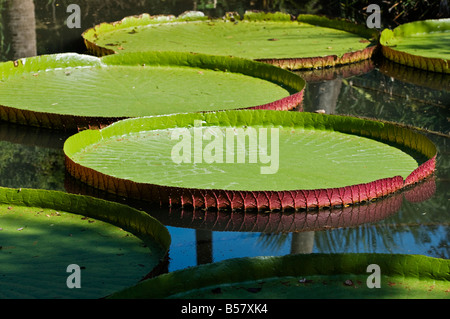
point(317, 276)
point(307, 42)
point(43, 232)
point(74, 91)
point(250, 159)
point(420, 44)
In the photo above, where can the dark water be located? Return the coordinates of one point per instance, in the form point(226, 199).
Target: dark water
point(416, 222)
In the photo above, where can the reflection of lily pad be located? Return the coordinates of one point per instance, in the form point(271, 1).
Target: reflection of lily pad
point(337, 276)
point(43, 232)
point(72, 91)
point(337, 160)
point(309, 41)
point(281, 222)
point(338, 72)
point(275, 222)
point(433, 80)
point(420, 44)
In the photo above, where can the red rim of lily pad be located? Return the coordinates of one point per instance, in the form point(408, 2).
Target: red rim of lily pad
point(293, 63)
point(275, 222)
point(261, 200)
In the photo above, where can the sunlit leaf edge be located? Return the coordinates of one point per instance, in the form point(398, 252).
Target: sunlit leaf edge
point(416, 61)
point(238, 270)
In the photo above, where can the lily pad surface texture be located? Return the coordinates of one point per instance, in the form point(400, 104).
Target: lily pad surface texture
point(420, 44)
point(72, 91)
point(308, 41)
point(317, 276)
point(56, 245)
point(250, 159)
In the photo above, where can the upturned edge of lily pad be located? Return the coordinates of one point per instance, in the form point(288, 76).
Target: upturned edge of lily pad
point(415, 61)
point(266, 200)
point(327, 268)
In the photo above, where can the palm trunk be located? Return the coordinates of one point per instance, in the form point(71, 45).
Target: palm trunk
point(302, 242)
point(204, 246)
point(327, 94)
point(22, 27)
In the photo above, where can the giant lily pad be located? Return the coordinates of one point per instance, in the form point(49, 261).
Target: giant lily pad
point(337, 276)
point(250, 159)
point(43, 232)
point(308, 42)
point(420, 44)
point(76, 91)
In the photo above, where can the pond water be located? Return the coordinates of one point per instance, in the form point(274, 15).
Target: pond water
point(416, 222)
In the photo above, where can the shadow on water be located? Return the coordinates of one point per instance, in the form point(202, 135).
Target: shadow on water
point(415, 221)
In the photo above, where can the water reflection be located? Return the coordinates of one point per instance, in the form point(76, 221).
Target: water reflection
point(325, 85)
point(432, 80)
point(277, 228)
point(31, 157)
point(283, 222)
point(380, 96)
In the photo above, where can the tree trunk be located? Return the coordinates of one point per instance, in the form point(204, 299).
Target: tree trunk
point(204, 246)
point(326, 94)
point(302, 242)
point(22, 27)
